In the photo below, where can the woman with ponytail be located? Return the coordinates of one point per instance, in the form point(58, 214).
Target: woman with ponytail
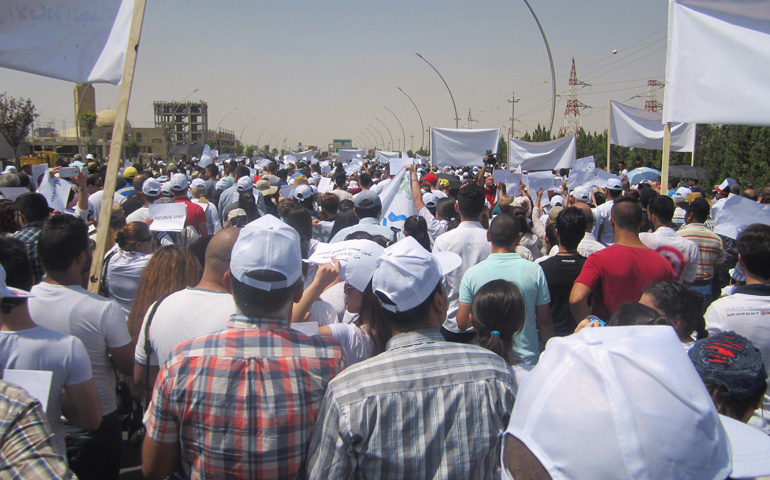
point(498, 311)
point(682, 306)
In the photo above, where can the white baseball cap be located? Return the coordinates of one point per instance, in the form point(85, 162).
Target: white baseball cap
point(681, 194)
point(198, 184)
point(10, 292)
point(10, 169)
point(221, 185)
point(244, 184)
point(581, 193)
point(89, 157)
point(179, 182)
point(557, 201)
point(151, 187)
point(267, 244)
point(614, 184)
point(303, 192)
point(429, 199)
point(627, 403)
point(407, 273)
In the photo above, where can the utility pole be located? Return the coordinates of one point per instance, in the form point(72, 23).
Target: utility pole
point(512, 130)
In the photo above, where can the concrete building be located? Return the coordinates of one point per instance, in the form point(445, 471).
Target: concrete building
point(189, 121)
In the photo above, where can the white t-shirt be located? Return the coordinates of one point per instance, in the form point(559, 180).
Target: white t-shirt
point(603, 213)
point(358, 344)
point(98, 322)
point(746, 312)
point(335, 296)
point(680, 252)
point(520, 372)
point(39, 348)
point(183, 316)
point(212, 216)
point(323, 313)
point(123, 274)
point(469, 240)
point(589, 245)
point(139, 214)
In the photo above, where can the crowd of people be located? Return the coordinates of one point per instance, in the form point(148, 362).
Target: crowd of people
point(288, 332)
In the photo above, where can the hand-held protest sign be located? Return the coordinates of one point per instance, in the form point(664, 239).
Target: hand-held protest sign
point(458, 147)
point(36, 382)
point(167, 217)
point(56, 191)
point(554, 154)
point(358, 259)
point(739, 212)
point(397, 201)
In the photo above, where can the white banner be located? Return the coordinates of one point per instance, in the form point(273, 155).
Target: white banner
point(205, 156)
point(396, 164)
point(77, 40)
point(554, 154)
point(718, 62)
point(397, 201)
point(633, 127)
point(306, 155)
point(167, 217)
point(544, 180)
point(452, 147)
point(55, 190)
point(739, 212)
point(348, 154)
point(581, 172)
point(358, 260)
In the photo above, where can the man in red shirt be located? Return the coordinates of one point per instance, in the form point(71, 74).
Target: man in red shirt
point(618, 273)
point(195, 214)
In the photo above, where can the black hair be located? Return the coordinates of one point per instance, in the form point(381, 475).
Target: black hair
point(370, 212)
point(753, 245)
point(571, 225)
point(344, 219)
point(409, 319)
point(504, 230)
point(253, 302)
point(445, 208)
point(300, 220)
point(498, 306)
point(33, 206)
point(365, 180)
point(599, 198)
point(340, 179)
point(241, 171)
point(346, 204)
point(550, 234)
point(662, 207)
point(417, 228)
point(677, 300)
point(18, 270)
point(627, 214)
point(631, 314)
point(248, 203)
point(470, 201)
point(62, 239)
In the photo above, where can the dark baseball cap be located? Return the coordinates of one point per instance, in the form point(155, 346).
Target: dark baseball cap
point(731, 360)
point(367, 199)
point(699, 206)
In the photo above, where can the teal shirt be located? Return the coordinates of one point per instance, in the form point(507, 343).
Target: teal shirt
point(526, 275)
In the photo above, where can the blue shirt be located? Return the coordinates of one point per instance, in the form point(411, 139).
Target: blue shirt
point(529, 277)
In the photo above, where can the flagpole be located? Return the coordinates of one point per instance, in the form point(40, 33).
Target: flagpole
point(609, 132)
point(113, 162)
point(666, 156)
point(692, 154)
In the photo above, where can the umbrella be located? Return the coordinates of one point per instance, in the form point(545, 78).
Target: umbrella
point(643, 174)
point(187, 149)
point(454, 180)
point(687, 171)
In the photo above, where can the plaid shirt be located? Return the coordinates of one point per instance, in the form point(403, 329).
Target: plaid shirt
point(26, 441)
point(425, 408)
point(709, 245)
point(242, 401)
point(29, 234)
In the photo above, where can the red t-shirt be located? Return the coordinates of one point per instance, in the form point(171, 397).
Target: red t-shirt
point(195, 215)
point(618, 274)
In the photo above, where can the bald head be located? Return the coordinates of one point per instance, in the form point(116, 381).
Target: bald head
point(218, 252)
point(589, 214)
point(627, 214)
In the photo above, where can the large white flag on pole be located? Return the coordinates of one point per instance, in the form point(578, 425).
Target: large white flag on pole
point(718, 62)
point(634, 127)
point(460, 147)
point(77, 40)
point(554, 154)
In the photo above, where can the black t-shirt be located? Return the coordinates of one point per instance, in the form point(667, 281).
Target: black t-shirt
point(560, 273)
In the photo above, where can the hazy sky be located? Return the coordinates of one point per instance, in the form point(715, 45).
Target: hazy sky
point(314, 71)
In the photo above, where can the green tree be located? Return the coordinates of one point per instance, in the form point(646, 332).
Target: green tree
point(238, 149)
point(132, 149)
point(249, 151)
point(502, 151)
point(168, 133)
point(87, 119)
point(16, 118)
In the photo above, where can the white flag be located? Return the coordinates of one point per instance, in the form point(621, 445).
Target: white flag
point(459, 147)
point(634, 127)
point(55, 190)
point(718, 62)
point(549, 155)
point(397, 201)
point(77, 40)
point(348, 154)
point(205, 156)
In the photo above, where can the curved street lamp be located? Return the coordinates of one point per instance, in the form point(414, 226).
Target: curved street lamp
point(399, 124)
point(259, 147)
point(422, 125)
point(390, 147)
point(457, 117)
point(240, 137)
point(378, 133)
point(374, 143)
point(550, 59)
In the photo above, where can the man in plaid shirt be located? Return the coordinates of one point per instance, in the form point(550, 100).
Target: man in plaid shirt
point(241, 402)
point(33, 211)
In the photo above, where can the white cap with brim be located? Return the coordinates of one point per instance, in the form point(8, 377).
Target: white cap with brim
point(681, 194)
point(407, 273)
point(179, 182)
point(267, 244)
point(614, 184)
point(198, 184)
point(244, 184)
point(557, 201)
point(581, 193)
point(634, 393)
point(151, 188)
point(10, 292)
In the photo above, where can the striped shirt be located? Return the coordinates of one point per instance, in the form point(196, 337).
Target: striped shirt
point(424, 408)
point(241, 402)
point(709, 245)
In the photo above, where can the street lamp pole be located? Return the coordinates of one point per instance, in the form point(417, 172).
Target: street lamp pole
point(240, 137)
point(173, 115)
point(457, 117)
point(259, 147)
point(220, 123)
point(374, 143)
point(422, 125)
point(399, 124)
point(390, 147)
point(550, 59)
point(378, 133)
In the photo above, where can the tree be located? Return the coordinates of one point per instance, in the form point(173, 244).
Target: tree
point(88, 121)
point(16, 117)
point(502, 151)
point(168, 133)
point(249, 151)
point(132, 149)
point(238, 149)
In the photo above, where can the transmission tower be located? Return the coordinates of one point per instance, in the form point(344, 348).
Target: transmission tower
point(470, 119)
point(651, 103)
point(571, 121)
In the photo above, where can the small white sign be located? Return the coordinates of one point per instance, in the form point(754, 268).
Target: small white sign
point(12, 193)
point(36, 382)
point(167, 217)
point(55, 190)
